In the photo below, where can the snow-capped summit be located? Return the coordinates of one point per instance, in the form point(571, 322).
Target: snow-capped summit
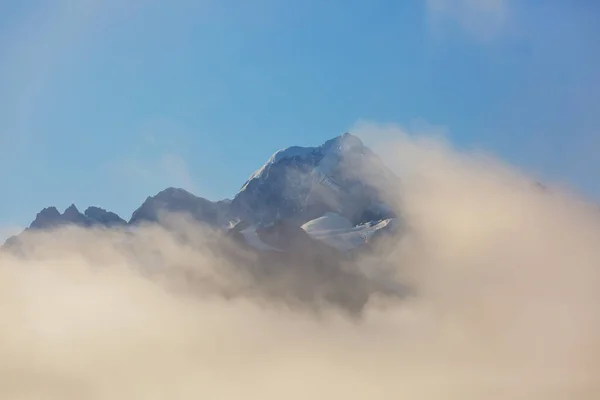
point(302, 183)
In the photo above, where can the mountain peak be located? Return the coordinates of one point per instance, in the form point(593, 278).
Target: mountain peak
point(104, 217)
point(71, 211)
point(174, 192)
point(49, 212)
point(180, 200)
point(48, 217)
point(328, 190)
point(304, 182)
point(345, 141)
point(339, 144)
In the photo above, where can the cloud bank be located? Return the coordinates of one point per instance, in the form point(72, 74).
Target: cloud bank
point(504, 305)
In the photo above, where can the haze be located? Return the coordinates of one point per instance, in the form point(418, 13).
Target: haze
point(504, 304)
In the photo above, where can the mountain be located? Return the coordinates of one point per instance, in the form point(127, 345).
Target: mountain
point(103, 217)
point(178, 200)
point(332, 195)
point(302, 183)
point(50, 217)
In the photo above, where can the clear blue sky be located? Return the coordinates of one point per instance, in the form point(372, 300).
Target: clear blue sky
point(107, 102)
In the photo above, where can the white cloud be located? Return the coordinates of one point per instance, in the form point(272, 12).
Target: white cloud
point(483, 19)
point(8, 231)
point(505, 303)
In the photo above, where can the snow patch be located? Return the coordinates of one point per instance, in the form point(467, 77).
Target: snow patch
point(333, 231)
point(327, 223)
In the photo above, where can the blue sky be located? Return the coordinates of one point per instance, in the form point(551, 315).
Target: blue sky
point(107, 102)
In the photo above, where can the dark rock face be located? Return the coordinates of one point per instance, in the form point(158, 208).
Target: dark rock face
point(47, 218)
point(103, 217)
point(50, 218)
point(174, 200)
point(73, 216)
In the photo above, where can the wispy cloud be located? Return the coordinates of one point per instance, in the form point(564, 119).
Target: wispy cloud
point(8, 231)
point(158, 159)
point(504, 304)
point(482, 19)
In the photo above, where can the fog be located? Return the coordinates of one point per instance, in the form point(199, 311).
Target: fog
point(504, 277)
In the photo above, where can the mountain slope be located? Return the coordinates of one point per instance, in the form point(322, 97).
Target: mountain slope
point(50, 217)
point(302, 183)
point(332, 194)
point(173, 200)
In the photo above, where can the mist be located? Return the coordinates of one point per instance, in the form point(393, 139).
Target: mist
point(503, 303)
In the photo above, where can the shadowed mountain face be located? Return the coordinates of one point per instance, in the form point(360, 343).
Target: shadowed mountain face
point(50, 218)
point(328, 195)
point(104, 217)
point(93, 216)
point(174, 200)
point(293, 266)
